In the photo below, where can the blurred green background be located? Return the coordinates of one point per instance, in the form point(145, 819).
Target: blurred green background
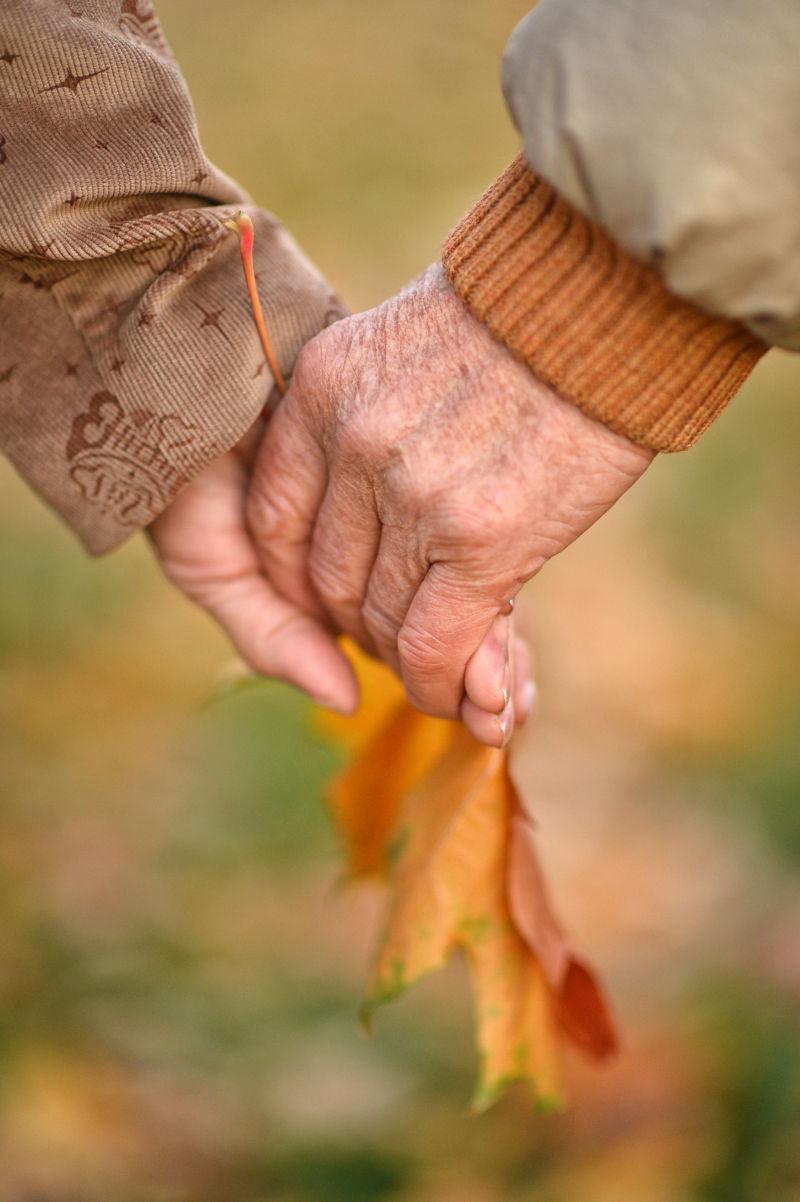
point(179, 973)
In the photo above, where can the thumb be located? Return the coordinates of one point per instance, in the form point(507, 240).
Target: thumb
point(446, 622)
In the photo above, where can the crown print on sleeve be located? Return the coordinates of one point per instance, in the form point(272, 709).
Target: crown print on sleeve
point(129, 465)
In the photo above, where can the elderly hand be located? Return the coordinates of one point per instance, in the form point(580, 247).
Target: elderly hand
point(414, 477)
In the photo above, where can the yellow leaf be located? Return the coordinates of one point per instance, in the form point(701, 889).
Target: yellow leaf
point(440, 813)
point(516, 1026)
point(396, 746)
point(366, 796)
point(449, 891)
point(381, 696)
point(581, 1007)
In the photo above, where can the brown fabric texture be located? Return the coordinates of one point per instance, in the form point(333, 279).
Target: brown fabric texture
point(128, 357)
point(595, 324)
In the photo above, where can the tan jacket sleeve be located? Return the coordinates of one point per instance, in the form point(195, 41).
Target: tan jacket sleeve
point(658, 207)
point(128, 358)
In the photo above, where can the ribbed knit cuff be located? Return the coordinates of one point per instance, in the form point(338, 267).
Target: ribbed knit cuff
point(592, 322)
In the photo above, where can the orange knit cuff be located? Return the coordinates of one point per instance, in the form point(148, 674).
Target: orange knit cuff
point(592, 322)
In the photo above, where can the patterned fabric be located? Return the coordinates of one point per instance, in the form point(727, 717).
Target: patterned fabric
point(128, 358)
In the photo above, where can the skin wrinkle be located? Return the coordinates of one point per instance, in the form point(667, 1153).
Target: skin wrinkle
point(404, 443)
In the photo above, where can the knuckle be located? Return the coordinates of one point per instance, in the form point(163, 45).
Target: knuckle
point(423, 654)
point(425, 667)
point(308, 364)
point(406, 488)
point(265, 516)
point(427, 701)
point(425, 706)
point(176, 574)
point(319, 362)
point(466, 522)
point(330, 581)
point(379, 623)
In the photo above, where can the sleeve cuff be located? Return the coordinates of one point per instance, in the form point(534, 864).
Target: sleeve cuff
point(592, 322)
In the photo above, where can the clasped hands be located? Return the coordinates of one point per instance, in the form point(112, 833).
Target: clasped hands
point(412, 479)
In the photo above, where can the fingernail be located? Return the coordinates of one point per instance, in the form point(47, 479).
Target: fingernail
point(501, 637)
point(528, 697)
point(507, 668)
point(506, 687)
point(506, 724)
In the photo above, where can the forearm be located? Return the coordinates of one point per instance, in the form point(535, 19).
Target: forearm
point(667, 132)
point(127, 355)
point(592, 322)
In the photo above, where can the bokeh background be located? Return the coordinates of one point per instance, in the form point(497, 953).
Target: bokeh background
point(179, 973)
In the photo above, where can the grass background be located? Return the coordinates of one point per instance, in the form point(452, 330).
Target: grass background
point(179, 974)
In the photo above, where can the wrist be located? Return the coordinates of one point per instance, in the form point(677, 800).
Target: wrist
point(560, 421)
point(598, 326)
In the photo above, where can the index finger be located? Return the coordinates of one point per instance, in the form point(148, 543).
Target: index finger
point(286, 489)
point(447, 621)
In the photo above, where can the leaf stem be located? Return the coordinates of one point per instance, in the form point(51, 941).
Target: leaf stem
point(243, 226)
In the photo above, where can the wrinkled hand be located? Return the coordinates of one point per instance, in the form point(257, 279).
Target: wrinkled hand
point(413, 478)
point(206, 549)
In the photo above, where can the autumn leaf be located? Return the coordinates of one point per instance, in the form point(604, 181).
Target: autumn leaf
point(381, 697)
point(395, 750)
point(581, 1006)
point(440, 813)
point(366, 797)
point(448, 892)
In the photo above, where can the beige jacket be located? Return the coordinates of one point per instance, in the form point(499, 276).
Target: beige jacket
point(675, 125)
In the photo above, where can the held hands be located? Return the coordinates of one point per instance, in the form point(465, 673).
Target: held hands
point(413, 478)
point(207, 551)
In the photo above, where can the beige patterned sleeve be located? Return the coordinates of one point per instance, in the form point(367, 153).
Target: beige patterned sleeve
point(128, 359)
